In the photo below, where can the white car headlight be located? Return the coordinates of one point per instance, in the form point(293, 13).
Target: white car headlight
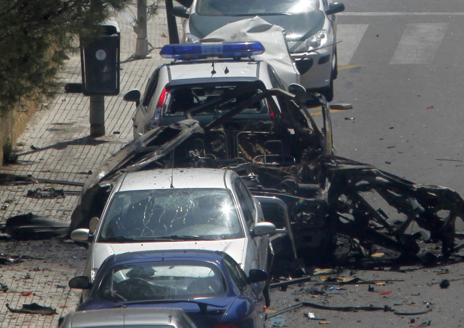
point(317, 39)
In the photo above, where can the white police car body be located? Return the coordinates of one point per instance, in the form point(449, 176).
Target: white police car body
point(198, 74)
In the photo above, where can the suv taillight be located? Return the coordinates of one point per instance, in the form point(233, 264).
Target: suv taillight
point(154, 121)
point(161, 99)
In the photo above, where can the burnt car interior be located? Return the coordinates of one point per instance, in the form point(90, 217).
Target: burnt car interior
point(185, 97)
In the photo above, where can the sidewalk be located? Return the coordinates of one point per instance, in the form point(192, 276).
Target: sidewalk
point(56, 145)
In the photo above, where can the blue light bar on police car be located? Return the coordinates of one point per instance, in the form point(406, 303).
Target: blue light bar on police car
point(212, 49)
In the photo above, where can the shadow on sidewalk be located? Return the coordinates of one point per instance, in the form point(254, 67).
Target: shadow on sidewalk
point(84, 141)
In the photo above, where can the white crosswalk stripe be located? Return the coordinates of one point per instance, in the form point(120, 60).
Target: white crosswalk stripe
point(419, 43)
point(349, 36)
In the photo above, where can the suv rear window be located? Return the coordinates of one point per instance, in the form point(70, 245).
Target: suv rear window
point(184, 98)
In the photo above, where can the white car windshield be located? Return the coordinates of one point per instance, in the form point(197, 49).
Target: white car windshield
point(155, 281)
point(254, 7)
point(170, 214)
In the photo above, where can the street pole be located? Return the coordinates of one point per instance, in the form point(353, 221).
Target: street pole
point(172, 26)
point(141, 46)
point(97, 116)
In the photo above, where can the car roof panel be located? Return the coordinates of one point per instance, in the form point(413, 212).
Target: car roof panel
point(196, 255)
point(222, 69)
point(181, 178)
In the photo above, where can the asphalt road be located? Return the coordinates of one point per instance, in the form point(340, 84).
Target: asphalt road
point(401, 68)
point(400, 65)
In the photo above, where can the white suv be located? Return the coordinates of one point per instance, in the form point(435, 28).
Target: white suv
point(179, 209)
point(309, 28)
point(187, 83)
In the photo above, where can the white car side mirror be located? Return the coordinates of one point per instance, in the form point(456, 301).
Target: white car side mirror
point(80, 235)
point(264, 228)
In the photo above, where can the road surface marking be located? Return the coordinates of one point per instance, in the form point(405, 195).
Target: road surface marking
point(347, 67)
point(400, 13)
point(419, 43)
point(349, 35)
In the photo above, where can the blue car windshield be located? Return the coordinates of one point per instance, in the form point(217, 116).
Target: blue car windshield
point(254, 7)
point(170, 214)
point(162, 280)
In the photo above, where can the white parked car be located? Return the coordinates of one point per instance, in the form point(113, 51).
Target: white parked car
point(310, 30)
point(180, 209)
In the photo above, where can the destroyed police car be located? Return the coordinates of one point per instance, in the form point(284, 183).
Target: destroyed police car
point(180, 209)
point(310, 31)
point(339, 210)
point(197, 75)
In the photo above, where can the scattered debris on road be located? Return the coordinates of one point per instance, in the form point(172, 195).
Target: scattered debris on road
point(312, 316)
point(3, 287)
point(342, 212)
point(444, 284)
point(15, 179)
point(47, 193)
point(348, 308)
point(13, 259)
point(33, 227)
point(33, 308)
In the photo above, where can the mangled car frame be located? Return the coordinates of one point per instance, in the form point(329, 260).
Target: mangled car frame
point(338, 209)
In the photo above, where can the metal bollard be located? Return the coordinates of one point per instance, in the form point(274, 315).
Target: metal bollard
point(97, 116)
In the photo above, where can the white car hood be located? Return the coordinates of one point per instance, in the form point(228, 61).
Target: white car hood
point(271, 36)
point(233, 247)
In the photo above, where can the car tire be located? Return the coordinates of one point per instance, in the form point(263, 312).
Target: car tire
point(328, 92)
point(335, 66)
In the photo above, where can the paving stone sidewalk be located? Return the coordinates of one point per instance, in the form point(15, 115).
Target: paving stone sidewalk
point(56, 145)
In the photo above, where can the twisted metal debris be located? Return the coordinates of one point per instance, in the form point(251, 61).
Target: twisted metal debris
point(339, 209)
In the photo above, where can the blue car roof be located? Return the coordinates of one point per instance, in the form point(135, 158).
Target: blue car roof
point(167, 255)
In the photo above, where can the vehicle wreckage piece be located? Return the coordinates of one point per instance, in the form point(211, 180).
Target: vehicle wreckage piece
point(47, 193)
point(33, 227)
point(33, 308)
point(350, 308)
point(339, 209)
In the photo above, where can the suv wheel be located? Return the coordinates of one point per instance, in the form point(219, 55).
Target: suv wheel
point(335, 65)
point(328, 92)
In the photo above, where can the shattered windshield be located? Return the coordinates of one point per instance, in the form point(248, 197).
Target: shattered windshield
point(254, 7)
point(170, 214)
point(162, 281)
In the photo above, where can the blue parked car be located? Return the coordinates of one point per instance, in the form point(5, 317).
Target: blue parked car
point(209, 286)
